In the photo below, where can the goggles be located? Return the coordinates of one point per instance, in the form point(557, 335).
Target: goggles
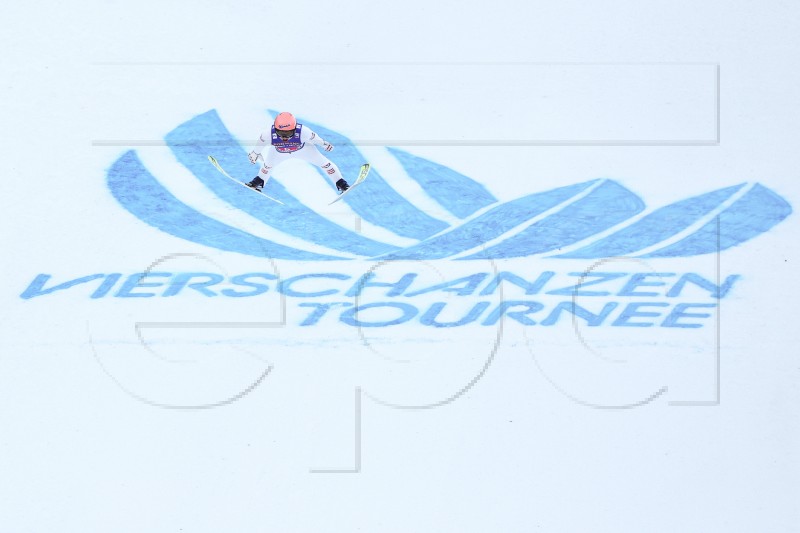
point(285, 134)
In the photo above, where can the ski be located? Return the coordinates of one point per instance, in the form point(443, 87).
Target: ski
point(214, 162)
point(362, 175)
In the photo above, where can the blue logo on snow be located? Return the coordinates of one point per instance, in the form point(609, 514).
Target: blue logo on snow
point(594, 219)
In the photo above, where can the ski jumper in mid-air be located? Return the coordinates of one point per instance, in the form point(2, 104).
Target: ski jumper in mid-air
point(291, 140)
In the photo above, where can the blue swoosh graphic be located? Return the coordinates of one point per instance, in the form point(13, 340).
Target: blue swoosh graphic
point(205, 134)
point(489, 225)
point(655, 227)
point(460, 195)
point(589, 209)
point(754, 213)
point(604, 207)
point(377, 202)
point(140, 193)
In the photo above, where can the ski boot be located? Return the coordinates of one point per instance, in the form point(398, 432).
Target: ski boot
point(256, 184)
point(342, 185)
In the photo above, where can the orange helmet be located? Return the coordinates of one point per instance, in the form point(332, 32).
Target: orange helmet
point(285, 121)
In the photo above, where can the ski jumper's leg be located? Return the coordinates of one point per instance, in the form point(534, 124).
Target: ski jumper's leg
point(271, 159)
point(312, 155)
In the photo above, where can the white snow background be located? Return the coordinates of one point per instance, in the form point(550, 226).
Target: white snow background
point(405, 428)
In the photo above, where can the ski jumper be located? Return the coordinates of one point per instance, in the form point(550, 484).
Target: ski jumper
point(301, 145)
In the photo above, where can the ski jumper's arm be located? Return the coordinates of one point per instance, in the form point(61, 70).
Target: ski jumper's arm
point(263, 139)
point(307, 135)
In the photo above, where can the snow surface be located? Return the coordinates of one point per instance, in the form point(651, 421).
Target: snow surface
point(327, 407)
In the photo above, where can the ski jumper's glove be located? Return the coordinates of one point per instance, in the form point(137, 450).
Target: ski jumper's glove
point(253, 156)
